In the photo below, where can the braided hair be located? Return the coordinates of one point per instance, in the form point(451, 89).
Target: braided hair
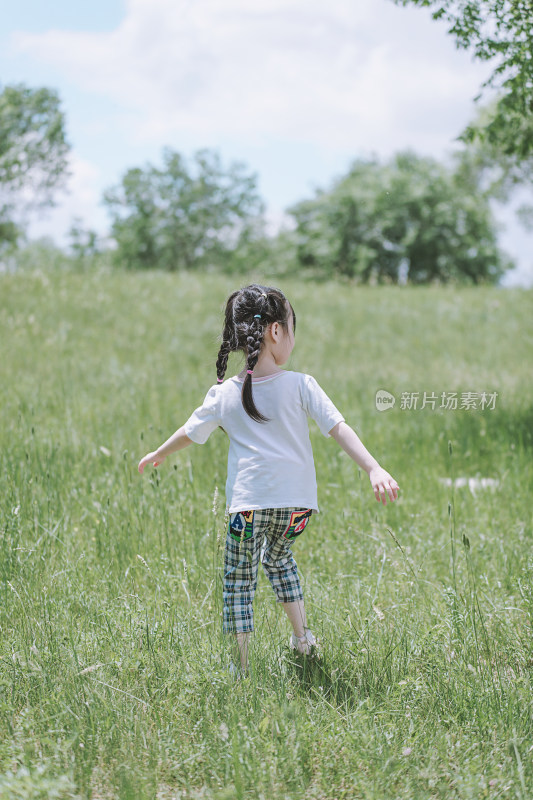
point(249, 312)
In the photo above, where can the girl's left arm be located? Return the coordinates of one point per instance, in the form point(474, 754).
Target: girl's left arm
point(382, 482)
point(177, 441)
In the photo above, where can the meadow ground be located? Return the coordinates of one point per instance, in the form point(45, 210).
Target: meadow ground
point(113, 680)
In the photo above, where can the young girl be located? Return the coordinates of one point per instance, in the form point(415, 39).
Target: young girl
point(271, 489)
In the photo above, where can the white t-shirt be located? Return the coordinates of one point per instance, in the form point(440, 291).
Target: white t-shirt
point(270, 464)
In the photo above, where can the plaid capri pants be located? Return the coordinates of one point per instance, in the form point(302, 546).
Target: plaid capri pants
point(268, 534)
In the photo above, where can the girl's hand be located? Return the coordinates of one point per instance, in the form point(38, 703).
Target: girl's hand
point(149, 459)
point(383, 483)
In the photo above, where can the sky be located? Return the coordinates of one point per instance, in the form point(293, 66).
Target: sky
point(296, 89)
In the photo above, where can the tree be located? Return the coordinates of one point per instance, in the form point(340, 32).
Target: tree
point(180, 218)
point(85, 244)
point(482, 164)
point(501, 30)
point(411, 218)
point(496, 175)
point(33, 153)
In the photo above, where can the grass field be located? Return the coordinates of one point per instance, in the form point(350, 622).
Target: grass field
point(113, 680)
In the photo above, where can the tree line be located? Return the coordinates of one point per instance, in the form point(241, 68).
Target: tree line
point(410, 218)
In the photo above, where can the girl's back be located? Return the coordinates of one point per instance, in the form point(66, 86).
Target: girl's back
point(270, 464)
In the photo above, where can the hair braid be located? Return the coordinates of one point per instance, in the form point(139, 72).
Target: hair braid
point(228, 343)
point(249, 311)
point(222, 359)
point(254, 340)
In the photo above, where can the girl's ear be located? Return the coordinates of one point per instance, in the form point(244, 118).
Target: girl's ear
point(274, 330)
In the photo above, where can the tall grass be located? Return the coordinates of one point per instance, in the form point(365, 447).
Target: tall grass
point(113, 679)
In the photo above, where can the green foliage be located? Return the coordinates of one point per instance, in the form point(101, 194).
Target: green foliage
point(26, 784)
point(112, 662)
point(85, 244)
point(501, 30)
point(33, 152)
point(409, 217)
point(487, 168)
point(9, 231)
point(40, 253)
point(179, 217)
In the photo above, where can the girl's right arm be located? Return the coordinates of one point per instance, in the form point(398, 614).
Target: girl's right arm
point(177, 441)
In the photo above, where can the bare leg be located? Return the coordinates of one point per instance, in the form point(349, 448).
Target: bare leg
point(296, 614)
point(241, 648)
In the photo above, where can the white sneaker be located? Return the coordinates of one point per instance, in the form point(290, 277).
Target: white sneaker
point(306, 645)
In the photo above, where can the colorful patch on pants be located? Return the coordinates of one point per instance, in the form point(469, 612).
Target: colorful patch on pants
point(241, 525)
point(298, 522)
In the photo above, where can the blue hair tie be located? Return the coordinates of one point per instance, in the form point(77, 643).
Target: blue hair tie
point(257, 316)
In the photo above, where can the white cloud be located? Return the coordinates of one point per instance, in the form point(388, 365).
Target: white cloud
point(81, 199)
point(340, 79)
point(344, 75)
